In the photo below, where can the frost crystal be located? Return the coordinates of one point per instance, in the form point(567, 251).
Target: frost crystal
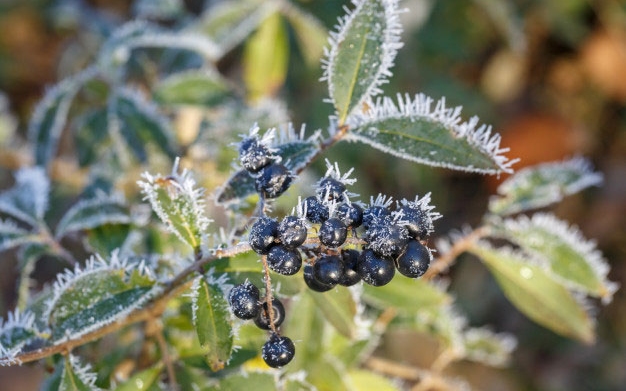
point(27, 200)
point(18, 325)
point(84, 372)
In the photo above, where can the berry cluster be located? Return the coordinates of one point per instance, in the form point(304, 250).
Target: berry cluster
point(272, 178)
point(355, 242)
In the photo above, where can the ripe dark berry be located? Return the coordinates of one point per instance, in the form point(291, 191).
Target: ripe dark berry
point(414, 261)
point(278, 351)
point(374, 269)
point(388, 240)
point(316, 212)
point(244, 300)
point(273, 180)
point(263, 318)
point(333, 232)
point(375, 213)
point(313, 283)
point(292, 232)
point(284, 261)
point(350, 260)
point(351, 214)
point(331, 189)
point(253, 155)
point(263, 235)
point(416, 221)
point(328, 269)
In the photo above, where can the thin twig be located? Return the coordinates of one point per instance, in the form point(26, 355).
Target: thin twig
point(167, 359)
point(268, 294)
point(443, 262)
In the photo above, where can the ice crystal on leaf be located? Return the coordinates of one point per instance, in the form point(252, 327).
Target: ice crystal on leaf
point(27, 200)
point(15, 332)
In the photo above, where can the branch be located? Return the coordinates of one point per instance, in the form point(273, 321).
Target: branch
point(446, 260)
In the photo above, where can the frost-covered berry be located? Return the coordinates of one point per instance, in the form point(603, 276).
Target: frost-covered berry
point(263, 234)
point(351, 214)
point(244, 300)
point(350, 260)
point(284, 261)
point(414, 261)
point(292, 232)
point(375, 213)
point(313, 283)
point(416, 221)
point(262, 320)
point(374, 269)
point(316, 211)
point(273, 180)
point(330, 189)
point(333, 232)
point(254, 155)
point(387, 239)
point(328, 269)
point(278, 351)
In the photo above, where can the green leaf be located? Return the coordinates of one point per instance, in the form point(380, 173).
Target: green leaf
point(15, 332)
point(310, 33)
point(535, 293)
point(412, 130)
point(361, 54)
point(259, 381)
point(265, 58)
point(50, 116)
point(12, 236)
point(574, 260)
point(141, 123)
point(195, 87)
point(306, 328)
point(76, 377)
point(363, 380)
point(296, 154)
point(406, 295)
point(484, 346)
point(543, 184)
point(91, 131)
point(142, 380)
point(27, 200)
point(92, 213)
point(212, 321)
point(339, 309)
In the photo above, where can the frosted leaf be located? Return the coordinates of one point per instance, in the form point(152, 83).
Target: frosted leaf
point(362, 51)
point(573, 259)
point(17, 331)
point(204, 87)
point(485, 346)
point(76, 376)
point(543, 184)
point(27, 200)
point(12, 236)
point(92, 213)
point(179, 203)
point(178, 40)
point(413, 129)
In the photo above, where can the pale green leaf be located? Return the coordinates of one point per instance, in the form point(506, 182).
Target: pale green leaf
point(306, 328)
point(259, 381)
point(76, 377)
point(328, 375)
point(143, 380)
point(411, 129)
point(574, 260)
point(535, 293)
point(361, 54)
point(310, 33)
point(212, 321)
point(363, 380)
point(92, 213)
point(265, 58)
point(339, 309)
point(406, 295)
point(544, 184)
point(196, 87)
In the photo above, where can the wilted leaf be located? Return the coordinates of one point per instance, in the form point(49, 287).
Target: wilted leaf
point(339, 309)
point(541, 185)
point(406, 295)
point(92, 213)
point(211, 319)
point(265, 58)
point(412, 130)
point(535, 293)
point(361, 53)
point(204, 88)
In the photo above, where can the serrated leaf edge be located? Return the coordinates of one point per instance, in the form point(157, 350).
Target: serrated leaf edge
point(15, 319)
point(83, 371)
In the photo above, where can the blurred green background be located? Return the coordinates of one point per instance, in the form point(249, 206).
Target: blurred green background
point(550, 76)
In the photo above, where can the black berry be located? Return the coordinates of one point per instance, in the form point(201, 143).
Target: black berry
point(351, 214)
point(284, 261)
point(387, 239)
point(244, 300)
point(416, 221)
point(375, 213)
point(292, 232)
point(262, 320)
point(313, 283)
point(278, 351)
point(374, 269)
point(350, 260)
point(333, 232)
point(263, 234)
point(316, 212)
point(253, 155)
point(328, 269)
point(414, 261)
point(273, 180)
point(331, 189)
